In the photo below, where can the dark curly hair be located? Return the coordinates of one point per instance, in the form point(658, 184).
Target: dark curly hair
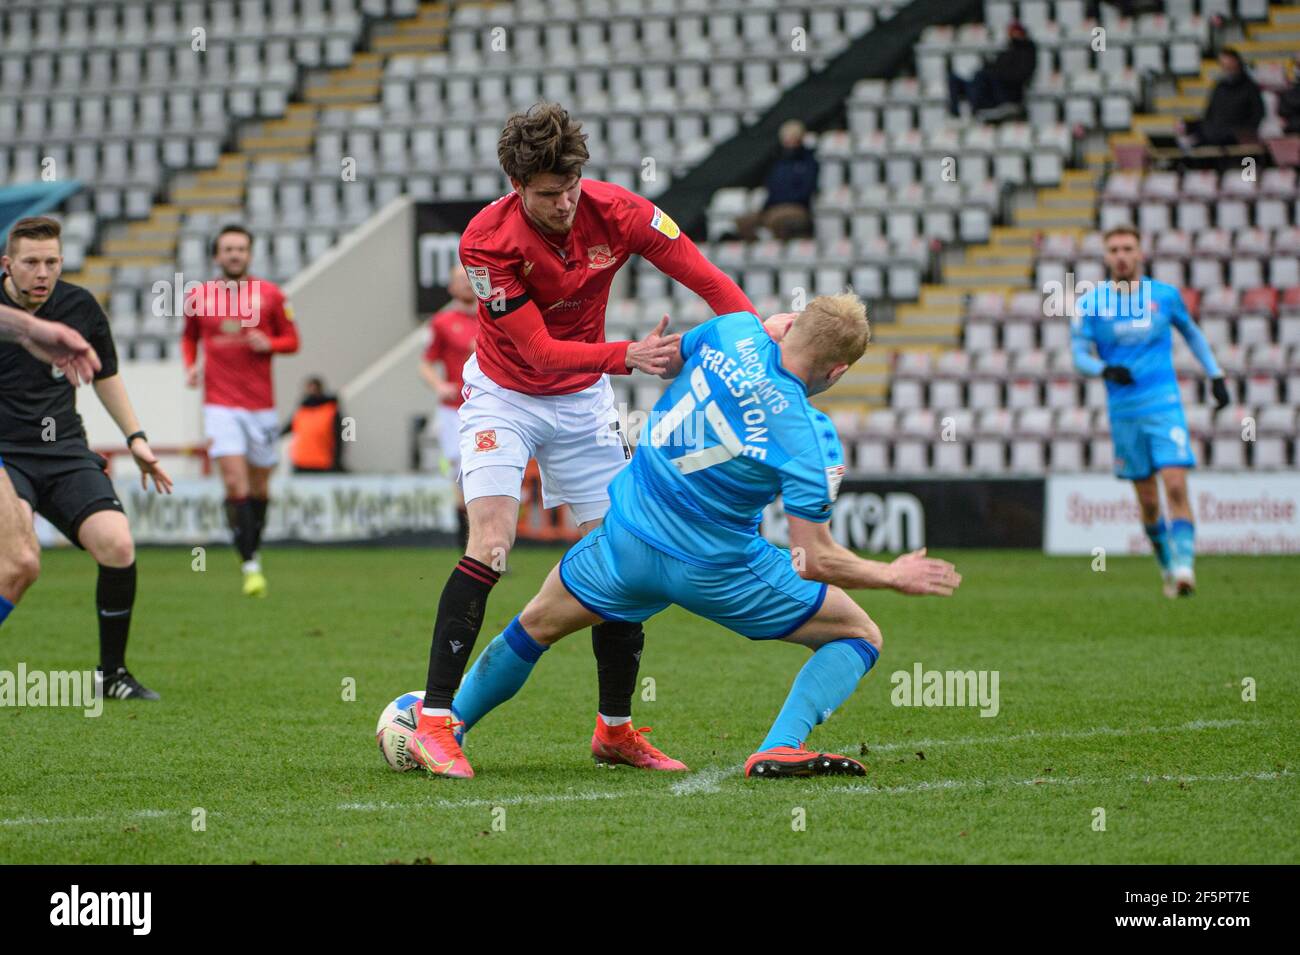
point(545, 139)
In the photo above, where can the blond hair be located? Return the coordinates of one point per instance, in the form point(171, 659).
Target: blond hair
point(836, 329)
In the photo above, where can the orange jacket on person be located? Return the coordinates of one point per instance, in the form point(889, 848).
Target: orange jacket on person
point(316, 429)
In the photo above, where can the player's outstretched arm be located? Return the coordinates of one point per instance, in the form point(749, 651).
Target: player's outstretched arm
point(529, 333)
point(51, 342)
point(1085, 361)
point(658, 240)
point(190, 345)
point(818, 557)
point(112, 394)
point(1200, 346)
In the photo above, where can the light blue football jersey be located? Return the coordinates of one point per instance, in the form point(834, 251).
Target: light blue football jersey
point(734, 430)
point(1133, 330)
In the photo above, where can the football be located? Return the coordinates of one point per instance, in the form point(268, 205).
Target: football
point(396, 724)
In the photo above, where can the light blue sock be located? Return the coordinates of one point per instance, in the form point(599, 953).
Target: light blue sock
point(823, 684)
point(497, 674)
point(1158, 534)
point(1182, 543)
point(5, 607)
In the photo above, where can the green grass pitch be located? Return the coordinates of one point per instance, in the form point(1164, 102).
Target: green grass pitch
point(1111, 697)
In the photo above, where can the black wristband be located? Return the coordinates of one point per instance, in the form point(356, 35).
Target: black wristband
point(132, 437)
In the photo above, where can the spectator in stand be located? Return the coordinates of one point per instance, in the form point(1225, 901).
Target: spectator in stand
point(997, 91)
point(317, 429)
point(1235, 110)
point(1288, 102)
point(1126, 8)
point(791, 185)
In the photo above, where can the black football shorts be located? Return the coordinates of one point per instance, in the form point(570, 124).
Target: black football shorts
point(65, 489)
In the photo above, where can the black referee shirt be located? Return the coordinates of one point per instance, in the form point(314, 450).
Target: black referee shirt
point(33, 394)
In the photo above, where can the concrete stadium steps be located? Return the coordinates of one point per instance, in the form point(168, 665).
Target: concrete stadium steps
point(1071, 204)
point(96, 275)
point(426, 32)
point(358, 82)
point(291, 136)
point(151, 243)
point(987, 273)
point(1004, 264)
point(221, 191)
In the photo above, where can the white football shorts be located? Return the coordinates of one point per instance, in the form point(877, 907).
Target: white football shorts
point(254, 434)
point(576, 439)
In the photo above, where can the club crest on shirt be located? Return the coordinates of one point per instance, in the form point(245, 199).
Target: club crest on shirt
point(662, 222)
point(485, 440)
point(479, 281)
point(601, 257)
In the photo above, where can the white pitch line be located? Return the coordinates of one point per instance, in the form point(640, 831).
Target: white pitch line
point(63, 820)
point(588, 796)
point(1194, 726)
point(705, 781)
point(859, 789)
point(717, 773)
point(869, 790)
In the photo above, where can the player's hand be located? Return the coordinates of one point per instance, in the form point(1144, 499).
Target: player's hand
point(258, 341)
point(447, 391)
point(654, 353)
point(1219, 387)
point(917, 574)
point(149, 467)
point(192, 376)
point(1118, 374)
point(63, 347)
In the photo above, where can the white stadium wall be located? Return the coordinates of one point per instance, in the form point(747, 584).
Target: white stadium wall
point(353, 304)
point(382, 402)
point(168, 411)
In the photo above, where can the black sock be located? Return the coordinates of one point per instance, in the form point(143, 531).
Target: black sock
point(114, 598)
point(258, 505)
point(617, 646)
point(460, 617)
point(239, 515)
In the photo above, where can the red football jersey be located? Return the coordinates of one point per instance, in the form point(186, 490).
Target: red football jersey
point(510, 263)
point(221, 314)
point(451, 341)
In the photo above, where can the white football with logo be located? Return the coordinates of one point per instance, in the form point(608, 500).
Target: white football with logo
point(396, 727)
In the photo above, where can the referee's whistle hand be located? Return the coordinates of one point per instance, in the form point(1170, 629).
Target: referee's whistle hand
point(149, 467)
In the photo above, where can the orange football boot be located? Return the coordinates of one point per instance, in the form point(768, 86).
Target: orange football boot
point(624, 745)
point(792, 761)
point(433, 745)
